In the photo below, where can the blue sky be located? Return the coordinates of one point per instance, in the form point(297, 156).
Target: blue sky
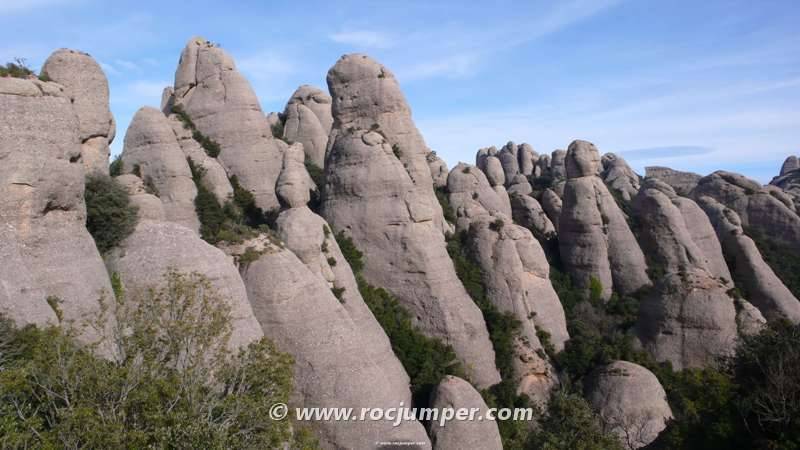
point(692, 85)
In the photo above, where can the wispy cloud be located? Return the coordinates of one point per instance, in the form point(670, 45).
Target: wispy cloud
point(362, 39)
point(666, 152)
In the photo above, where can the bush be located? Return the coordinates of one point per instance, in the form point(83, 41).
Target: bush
point(110, 217)
point(16, 69)
point(211, 147)
point(116, 167)
point(570, 424)
point(175, 385)
point(781, 259)
point(444, 201)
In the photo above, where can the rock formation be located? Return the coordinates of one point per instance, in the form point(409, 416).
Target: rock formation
point(149, 207)
point(759, 211)
point(438, 168)
point(619, 176)
point(294, 186)
point(86, 86)
point(527, 212)
point(152, 152)
point(760, 284)
point(308, 120)
point(594, 238)
point(379, 191)
point(630, 401)
point(50, 253)
point(558, 168)
point(682, 182)
point(552, 205)
point(224, 108)
point(471, 196)
point(455, 393)
point(789, 180)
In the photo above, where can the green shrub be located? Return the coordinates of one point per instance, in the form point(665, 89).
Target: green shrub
point(253, 216)
point(16, 69)
point(397, 152)
point(351, 253)
point(784, 261)
point(175, 385)
point(444, 201)
point(116, 167)
point(595, 290)
point(210, 146)
point(110, 217)
point(570, 424)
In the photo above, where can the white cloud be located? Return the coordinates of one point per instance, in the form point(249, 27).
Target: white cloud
point(108, 68)
point(362, 39)
point(127, 65)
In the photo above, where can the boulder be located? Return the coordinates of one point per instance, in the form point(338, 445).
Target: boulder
point(308, 121)
point(558, 168)
point(759, 211)
point(298, 311)
point(543, 166)
point(86, 86)
point(471, 196)
point(595, 241)
point(224, 108)
point(760, 284)
point(527, 159)
point(455, 393)
point(294, 186)
point(49, 251)
point(682, 182)
point(152, 152)
point(155, 248)
point(619, 176)
point(791, 163)
point(749, 319)
point(527, 212)
point(379, 191)
point(509, 160)
point(630, 401)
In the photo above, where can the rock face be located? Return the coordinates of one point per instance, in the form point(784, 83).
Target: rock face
point(149, 206)
point(438, 170)
point(789, 180)
point(294, 185)
point(672, 328)
point(86, 86)
point(527, 212)
point(214, 178)
point(682, 182)
point(225, 109)
point(516, 274)
point(758, 210)
point(619, 176)
point(379, 191)
point(595, 241)
point(49, 251)
point(762, 287)
point(152, 152)
point(471, 196)
point(558, 168)
point(792, 163)
point(455, 393)
point(298, 311)
point(630, 401)
point(552, 205)
point(308, 121)
point(155, 248)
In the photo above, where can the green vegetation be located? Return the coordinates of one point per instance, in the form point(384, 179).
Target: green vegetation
point(784, 261)
point(444, 201)
point(16, 69)
point(570, 423)
point(541, 183)
point(211, 147)
point(397, 152)
point(174, 385)
point(110, 217)
point(233, 222)
point(427, 360)
point(277, 127)
point(116, 167)
point(317, 175)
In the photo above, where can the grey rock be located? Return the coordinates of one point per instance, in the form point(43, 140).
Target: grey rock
point(764, 289)
point(224, 108)
point(552, 204)
point(294, 186)
point(790, 164)
point(543, 166)
point(309, 237)
point(520, 185)
point(494, 171)
point(509, 160)
point(308, 121)
point(149, 206)
point(44, 215)
point(167, 99)
point(619, 176)
point(527, 159)
point(155, 248)
point(630, 401)
point(438, 170)
point(379, 191)
point(594, 238)
point(297, 310)
point(558, 168)
point(527, 212)
point(749, 319)
point(471, 196)
point(682, 182)
point(758, 210)
point(86, 86)
point(455, 393)
point(151, 146)
point(688, 319)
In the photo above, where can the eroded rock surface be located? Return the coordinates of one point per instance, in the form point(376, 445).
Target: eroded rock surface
point(455, 393)
point(308, 121)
